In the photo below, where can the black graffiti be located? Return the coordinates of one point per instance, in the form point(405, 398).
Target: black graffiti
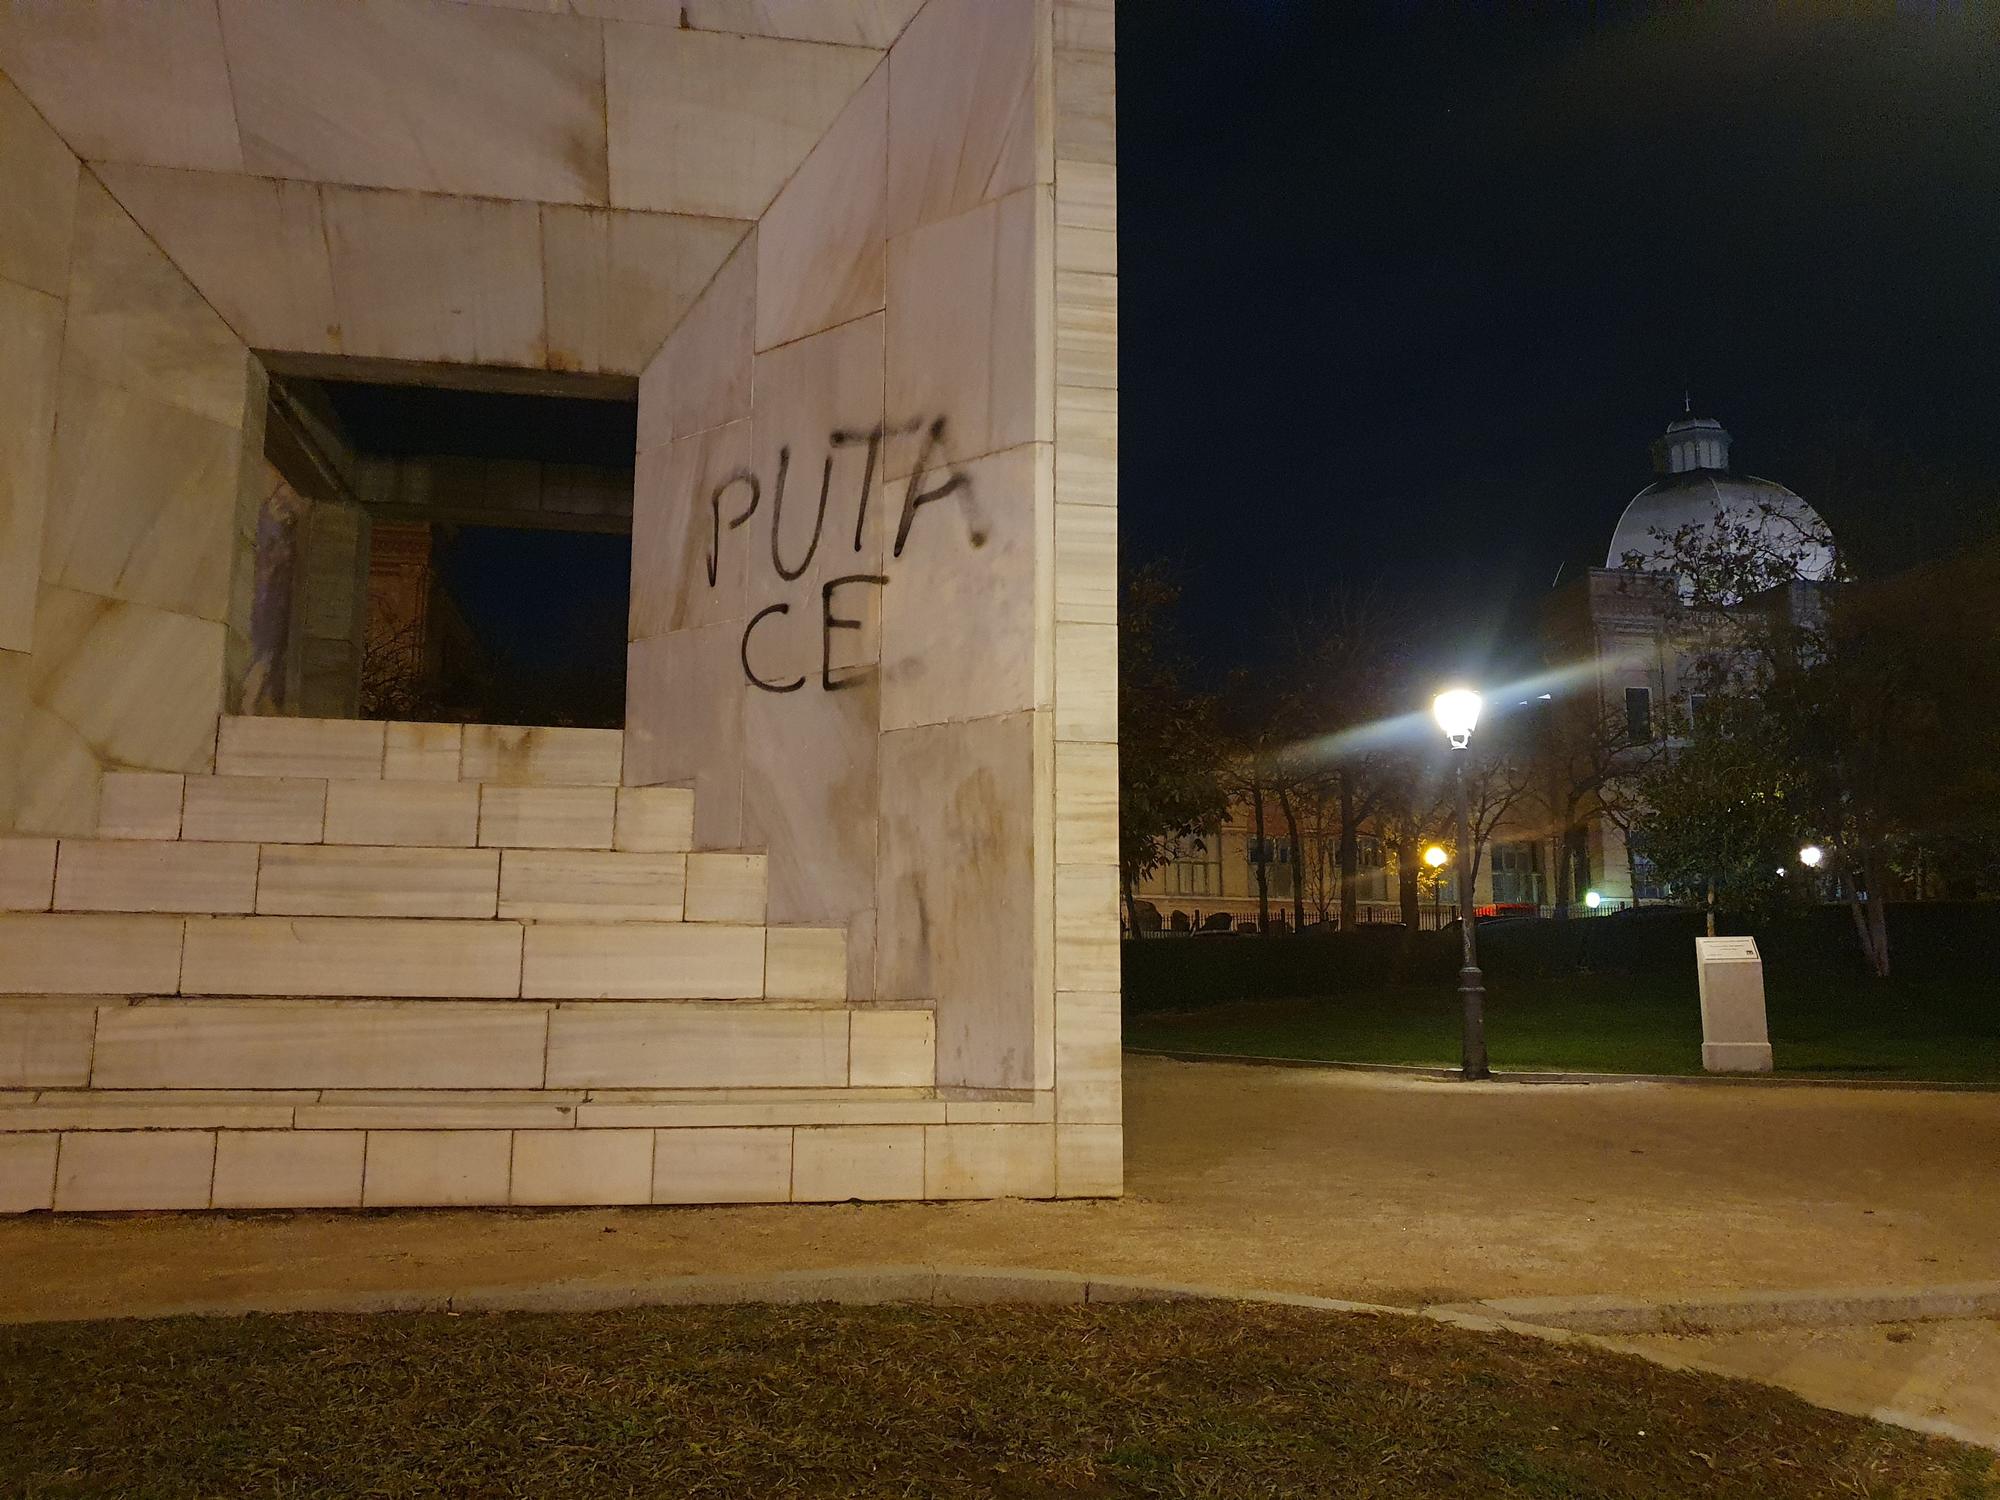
point(756, 681)
point(741, 476)
point(778, 512)
point(932, 479)
point(917, 495)
point(830, 622)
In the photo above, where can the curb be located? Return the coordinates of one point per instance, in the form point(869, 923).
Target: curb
point(976, 1285)
point(1736, 1312)
point(1698, 1080)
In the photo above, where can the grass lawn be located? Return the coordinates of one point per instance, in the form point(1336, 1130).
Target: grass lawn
point(1836, 1027)
point(1188, 1398)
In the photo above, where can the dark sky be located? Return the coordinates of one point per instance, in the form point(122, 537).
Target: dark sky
point(1405, 298)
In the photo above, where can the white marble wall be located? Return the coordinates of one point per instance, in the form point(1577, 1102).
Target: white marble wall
point(131, 432)
point(942, 777)
point(428, 180)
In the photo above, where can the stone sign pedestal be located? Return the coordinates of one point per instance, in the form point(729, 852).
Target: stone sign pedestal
point(1734, 1037)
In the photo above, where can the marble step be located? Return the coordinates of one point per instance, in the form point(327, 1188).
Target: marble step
point(180, 1167)
point(275, 809)
point(500, 1109)
point(91, 953)
point(138, 876)
point(291, 1044)
point(367, 749)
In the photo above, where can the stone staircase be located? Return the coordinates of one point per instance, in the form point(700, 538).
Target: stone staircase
point(368, 964)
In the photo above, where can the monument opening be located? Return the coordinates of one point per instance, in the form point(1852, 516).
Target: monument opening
point(442, 554)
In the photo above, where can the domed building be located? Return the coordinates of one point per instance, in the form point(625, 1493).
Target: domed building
point(1633, 648)
point(1696, 489)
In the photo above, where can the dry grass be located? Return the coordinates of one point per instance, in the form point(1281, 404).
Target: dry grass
point(1165, 1399)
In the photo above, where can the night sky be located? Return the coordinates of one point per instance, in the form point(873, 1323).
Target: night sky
point(1404, 299)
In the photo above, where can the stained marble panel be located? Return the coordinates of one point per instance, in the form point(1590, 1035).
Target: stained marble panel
point(956, 922)
point(704, 123)
point(1086, 445)
point(30, 346)
point(142, 501)
point(37, 196)
point(1086, 92)
point(809, 797)
point(141, 686)
point(701, 376)
point(126, 80)
point(136, 322)
point(422, 277)
point(969, 329)
point(618, 282)
point(681, 528)
point(970, 103)
point(965, 615)
point(439, 98)
point(254, 247)
point(684, 725)
point(819, 248)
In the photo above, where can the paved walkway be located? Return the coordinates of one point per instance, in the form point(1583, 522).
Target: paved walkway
point(1379, 1189)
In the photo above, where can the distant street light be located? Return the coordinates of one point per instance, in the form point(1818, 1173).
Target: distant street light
point(1592, 900)
point(1435, 857)
point(1457, 713)
point(1811, 856)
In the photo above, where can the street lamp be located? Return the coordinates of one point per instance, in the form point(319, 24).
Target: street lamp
point(1592, 900)
point(1811, 856)
point(1457, 713)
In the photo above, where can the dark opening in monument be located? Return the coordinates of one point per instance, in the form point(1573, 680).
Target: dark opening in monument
point(442, 554)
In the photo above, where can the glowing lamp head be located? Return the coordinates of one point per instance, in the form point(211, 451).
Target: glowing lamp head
point(1812, 856)
point(1435, 856)
point(1592, 900)
point(1457, 713)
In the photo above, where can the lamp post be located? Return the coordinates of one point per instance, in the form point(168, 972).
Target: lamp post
point(1457, 714)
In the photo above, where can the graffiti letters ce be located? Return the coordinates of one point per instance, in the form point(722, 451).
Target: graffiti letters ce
point(742, 494)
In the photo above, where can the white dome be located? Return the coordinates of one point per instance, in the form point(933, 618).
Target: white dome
point(1698, 490)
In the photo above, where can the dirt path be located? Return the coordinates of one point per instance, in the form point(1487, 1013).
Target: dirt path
point(1379, 1189)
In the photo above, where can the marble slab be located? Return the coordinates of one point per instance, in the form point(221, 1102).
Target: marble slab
point(134, 1169)
point(852, 23)
point(288, 1168)
point(989, 1161)
point(703, 123)
point(969, 107)
point(314, 880)
point(37, 197)
point(141, 687)
point(514, 755)
point(969, 331)
point(27, 874)
point(412, 813)
point(254, 809)
point(547, 817)
point(153, 875)
point(642, 961)
point(136, 322)
point(127, 80)
point(30, 347)
point(345, 1044)
point(590, 885)
point(958, 850)
point(722, 1166)
point(964, 618)
point(681, 1046)
point(140, 805)
point(437, 1168)
point(421, 752)
point(337, 956)
point(654, 819)
point(341, 749)
point(455, 280)
point(254, 247)
point(582, 1166)
point(684, 724)
point(618, 282)
point(67, 954)
point(873, 1163)
point(143, 501)
point(382, 93)
point(701, 376)
point(820, 245)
